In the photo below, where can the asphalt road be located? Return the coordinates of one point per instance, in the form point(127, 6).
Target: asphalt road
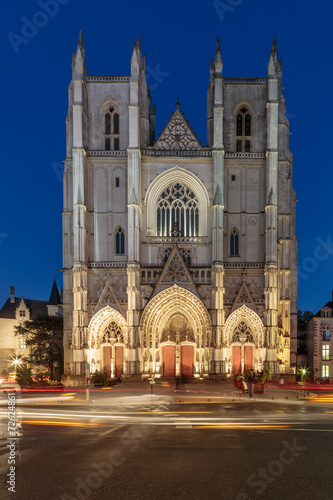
point(235, 450)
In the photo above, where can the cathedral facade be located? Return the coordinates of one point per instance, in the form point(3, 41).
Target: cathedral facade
point(178, 258)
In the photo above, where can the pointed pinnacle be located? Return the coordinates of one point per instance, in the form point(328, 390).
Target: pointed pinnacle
point(138, 45)
point(218, 46)
point(80, 44)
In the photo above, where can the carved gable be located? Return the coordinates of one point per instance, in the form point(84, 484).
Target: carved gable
point(108, 298)
point(178, 135)
point(175, 271)
point(244, 297)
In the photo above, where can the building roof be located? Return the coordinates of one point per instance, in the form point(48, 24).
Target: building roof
point(54, 299)
point(329, 305)
point(37, 307)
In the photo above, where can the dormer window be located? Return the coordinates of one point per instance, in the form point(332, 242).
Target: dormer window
point(243, 131)
point(111, 130)
point(22, 313)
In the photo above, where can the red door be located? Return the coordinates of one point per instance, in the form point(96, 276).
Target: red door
point(187, 360)
point(169, 361)
point(119, 360)
point(248, 357)
point(236, 359)
point(107, 360)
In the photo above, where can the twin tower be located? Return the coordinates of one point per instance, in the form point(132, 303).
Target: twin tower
point(178, 258)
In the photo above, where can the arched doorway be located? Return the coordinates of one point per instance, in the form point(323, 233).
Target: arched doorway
point(244, 336)
point(177, 341)
point(113, 350)
point(108, 341)
point(242, 348)
point(175, 334)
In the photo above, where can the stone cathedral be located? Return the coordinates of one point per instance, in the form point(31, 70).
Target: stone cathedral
point(178, 258)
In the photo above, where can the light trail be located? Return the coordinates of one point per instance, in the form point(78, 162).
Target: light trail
point(239, 426)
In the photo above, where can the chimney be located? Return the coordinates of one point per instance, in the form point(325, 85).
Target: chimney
point(12, 295)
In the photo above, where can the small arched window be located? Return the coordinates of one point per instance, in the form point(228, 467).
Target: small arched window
point(111, 130)
point(243, 131)
point(234, 243)
point(120, 241)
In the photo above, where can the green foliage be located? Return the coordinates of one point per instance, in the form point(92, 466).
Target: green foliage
point(44, 336)
point(99, 377)
point(267, 375)
point(303, 317)
point(24, 376)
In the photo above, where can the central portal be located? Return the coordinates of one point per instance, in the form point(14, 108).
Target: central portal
point(178, 347)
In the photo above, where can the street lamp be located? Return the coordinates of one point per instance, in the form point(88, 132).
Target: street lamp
point(16, 362)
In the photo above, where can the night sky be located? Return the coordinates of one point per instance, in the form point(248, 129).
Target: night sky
point(179, 38)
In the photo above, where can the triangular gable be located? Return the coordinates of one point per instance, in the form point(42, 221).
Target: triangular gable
point(178, 135)
point(244, 297)
point(108, 298)
point(175, 271)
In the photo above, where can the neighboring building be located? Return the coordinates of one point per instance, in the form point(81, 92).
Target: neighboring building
point(319, 336)
point(178, 258)
point(14, 312)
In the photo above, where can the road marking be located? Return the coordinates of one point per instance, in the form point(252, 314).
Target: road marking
point(182, 423)
point(111, 430)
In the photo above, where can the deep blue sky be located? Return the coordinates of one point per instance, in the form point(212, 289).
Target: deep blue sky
point(178, 37)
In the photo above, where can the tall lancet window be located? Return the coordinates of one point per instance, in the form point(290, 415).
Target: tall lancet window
point(111, 130)
point(120, 241)
point(234, 243)
point(177, 212)
point(243, 131)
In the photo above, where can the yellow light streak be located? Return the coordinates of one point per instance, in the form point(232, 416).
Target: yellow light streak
point(63, 423)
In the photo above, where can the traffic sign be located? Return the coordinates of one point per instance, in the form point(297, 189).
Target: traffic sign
point(152, 376)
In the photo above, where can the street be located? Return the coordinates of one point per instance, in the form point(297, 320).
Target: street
point(199, 445)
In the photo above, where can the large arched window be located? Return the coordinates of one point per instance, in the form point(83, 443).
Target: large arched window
point(120, 241)
point(234, 243)
point(177, 212)
point(243, 131)
point(111, 130)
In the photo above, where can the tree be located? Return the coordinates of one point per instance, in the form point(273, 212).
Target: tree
point(23, 375)
point(44, 335)
point(303, 317)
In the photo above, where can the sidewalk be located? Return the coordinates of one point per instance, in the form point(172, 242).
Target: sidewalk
point(140, 392)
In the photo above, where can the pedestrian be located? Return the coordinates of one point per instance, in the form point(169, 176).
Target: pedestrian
point(251, 381)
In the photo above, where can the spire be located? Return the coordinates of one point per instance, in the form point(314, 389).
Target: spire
point(218, 46)
point(272, 62)
point(81, 45)
point(135, 61)
point(78, 60)
point(54, 295)
point(218, 57)
point(138, 45)
point(274, 48)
